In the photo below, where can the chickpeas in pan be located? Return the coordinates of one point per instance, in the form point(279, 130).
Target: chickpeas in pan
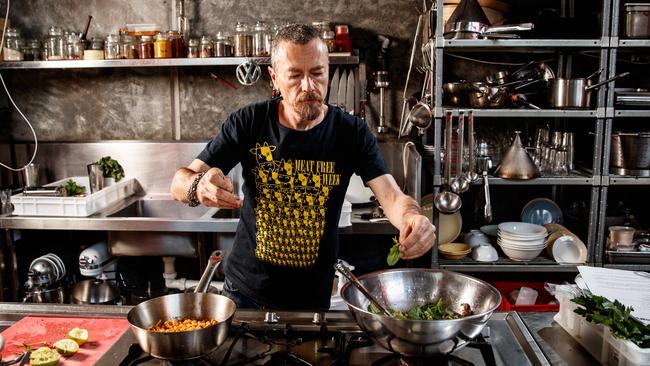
point(184, 325)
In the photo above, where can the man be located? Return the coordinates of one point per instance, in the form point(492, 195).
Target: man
point(297, 156)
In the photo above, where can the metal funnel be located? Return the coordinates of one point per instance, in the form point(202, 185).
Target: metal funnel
point(516, 164)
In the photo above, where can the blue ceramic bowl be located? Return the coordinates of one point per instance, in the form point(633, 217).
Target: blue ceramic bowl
point(541, 211)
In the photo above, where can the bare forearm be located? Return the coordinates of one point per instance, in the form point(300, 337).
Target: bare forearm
point(181, 183)
point(401, 206)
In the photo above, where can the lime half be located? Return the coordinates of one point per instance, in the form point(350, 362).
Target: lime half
point(66, 347)
point(78, 335)
point(44, 356)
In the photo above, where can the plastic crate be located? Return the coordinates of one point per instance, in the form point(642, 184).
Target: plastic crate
point(543, 297)
point(73, 206)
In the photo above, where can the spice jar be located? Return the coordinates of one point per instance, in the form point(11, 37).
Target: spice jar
point(55, 44)
point(145, 47)
point(243, 40)
point(178, 44)
point(227, 41)
point(74, 49)
point(13, 47)
point(162, 47)
point(261, 40)
point(220, 45)
point(207, 48)
point(342, 39)
point(193, 48)
point(112, 47)
point(96, 51)
point(128, 48)
point(32, 50)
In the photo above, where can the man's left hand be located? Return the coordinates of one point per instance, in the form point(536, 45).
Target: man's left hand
point(416, 236)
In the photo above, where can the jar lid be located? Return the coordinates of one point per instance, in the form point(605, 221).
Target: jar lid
point(12, 32)
point(161, 37)
point(112, 38)
point(206, 39)
point(194, 42)
point(260, 26)
point(55, 31)
point(145, 38)
point(241, 26)
point(342, 29)
point(127, 38)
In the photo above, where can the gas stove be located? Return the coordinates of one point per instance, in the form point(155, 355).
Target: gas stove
point(333, 338)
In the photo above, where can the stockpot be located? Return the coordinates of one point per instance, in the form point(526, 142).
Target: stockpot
point(191, 344)
point(574, 93)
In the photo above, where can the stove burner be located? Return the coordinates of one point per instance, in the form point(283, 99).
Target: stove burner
point(285, 358)
point(137, 356)
point(479, 343)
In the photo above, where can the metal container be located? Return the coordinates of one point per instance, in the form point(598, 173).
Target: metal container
point(483, 95)
point(616, 159)
point(401, 289)
point(636, 150)
point(189, 344)
point(637, 20)
point(574, 93)
point(96, 292)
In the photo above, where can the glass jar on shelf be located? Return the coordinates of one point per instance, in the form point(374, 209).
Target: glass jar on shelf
point(128, 48)
point(74, 49)
point(96, 50)
point(13, 47)
point(162, 47)
point(243, 40)
point(261, 40)
point(193, 48)
point(206, 49)
point(145, 47)
point(112, 47)
point(32, 50)
point(228, 47)
point(55, 44)
point(178, 44)
point(342, 38)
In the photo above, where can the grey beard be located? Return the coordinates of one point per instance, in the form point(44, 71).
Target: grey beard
point(308, 111)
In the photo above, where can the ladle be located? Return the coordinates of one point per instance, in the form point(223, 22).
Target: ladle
point(460, 184)
point(447, 202)
point(471, 176)
point(345, 271)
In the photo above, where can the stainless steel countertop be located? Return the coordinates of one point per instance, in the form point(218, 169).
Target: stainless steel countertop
point(558, 346)
point(102, 221)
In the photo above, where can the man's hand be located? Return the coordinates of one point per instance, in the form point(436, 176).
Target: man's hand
point(416, 236)
point(215, 189)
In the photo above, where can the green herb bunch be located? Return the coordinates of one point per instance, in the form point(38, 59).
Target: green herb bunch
point(111, 168)
point(616, 316)
point(73, 189)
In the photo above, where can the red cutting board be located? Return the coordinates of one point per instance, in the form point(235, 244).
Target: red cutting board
point(102, 334)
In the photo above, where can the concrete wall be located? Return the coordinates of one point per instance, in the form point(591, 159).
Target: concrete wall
point(107, 104)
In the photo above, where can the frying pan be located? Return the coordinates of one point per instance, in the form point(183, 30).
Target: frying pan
point(478, 30)
point(191, 344)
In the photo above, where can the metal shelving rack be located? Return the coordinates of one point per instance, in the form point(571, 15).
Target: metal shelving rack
point(612, 113)
point(159, 62)
point(599, 114)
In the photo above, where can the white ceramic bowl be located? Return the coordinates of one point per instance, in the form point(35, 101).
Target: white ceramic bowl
point(490, 230)
point(522, 228)
point(525, 248)
point(475, 238)
point(485, 253)
point(521, 255)
point(523, 243)
point(504, 235)
point(568, 250)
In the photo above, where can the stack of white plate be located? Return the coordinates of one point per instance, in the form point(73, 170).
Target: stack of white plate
point(521, 241)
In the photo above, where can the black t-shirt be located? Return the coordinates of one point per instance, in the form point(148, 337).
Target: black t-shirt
point(294, 187)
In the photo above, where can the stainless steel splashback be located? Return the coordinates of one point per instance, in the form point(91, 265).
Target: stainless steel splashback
point(153, 163)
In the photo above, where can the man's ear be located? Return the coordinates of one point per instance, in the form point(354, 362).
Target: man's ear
point(272, 74)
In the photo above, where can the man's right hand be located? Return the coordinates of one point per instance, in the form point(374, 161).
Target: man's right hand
point(215, 189)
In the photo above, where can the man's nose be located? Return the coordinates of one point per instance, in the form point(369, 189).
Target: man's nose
point(307, 84)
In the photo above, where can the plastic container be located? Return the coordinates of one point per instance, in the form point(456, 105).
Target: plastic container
point(73, 206)
point(598, 339)
point(543, 297)
point(346, 214)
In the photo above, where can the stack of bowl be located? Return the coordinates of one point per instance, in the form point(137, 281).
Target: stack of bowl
point(521, 241)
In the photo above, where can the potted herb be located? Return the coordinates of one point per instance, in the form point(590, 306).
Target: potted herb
point(113, 171)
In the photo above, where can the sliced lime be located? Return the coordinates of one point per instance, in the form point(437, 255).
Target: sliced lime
point(66, 347)
point(78, 335)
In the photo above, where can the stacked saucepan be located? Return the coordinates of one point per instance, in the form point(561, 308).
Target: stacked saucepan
point(503, 89)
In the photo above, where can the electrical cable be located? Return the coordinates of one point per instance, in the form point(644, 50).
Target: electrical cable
point(2, 44)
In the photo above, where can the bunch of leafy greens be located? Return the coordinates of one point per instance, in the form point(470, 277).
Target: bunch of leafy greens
point(73, 189)
point(437, 311)
point(393, 255)
point(111, 168)
point(616, 316)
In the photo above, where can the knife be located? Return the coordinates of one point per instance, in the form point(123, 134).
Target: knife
point(363, 84)
point(341, 92)
point(334, 88)
point(349, 94)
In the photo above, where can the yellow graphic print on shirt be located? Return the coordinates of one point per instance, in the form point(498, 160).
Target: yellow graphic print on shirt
point(290, 213)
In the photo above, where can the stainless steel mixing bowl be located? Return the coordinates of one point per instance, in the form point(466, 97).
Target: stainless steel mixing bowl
point(402, 289)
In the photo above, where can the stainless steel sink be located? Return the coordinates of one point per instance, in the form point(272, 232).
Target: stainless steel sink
point(171, 209)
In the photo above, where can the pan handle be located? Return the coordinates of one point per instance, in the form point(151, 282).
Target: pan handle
point(607, 81)
point(508, 28)
point(210, 269)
